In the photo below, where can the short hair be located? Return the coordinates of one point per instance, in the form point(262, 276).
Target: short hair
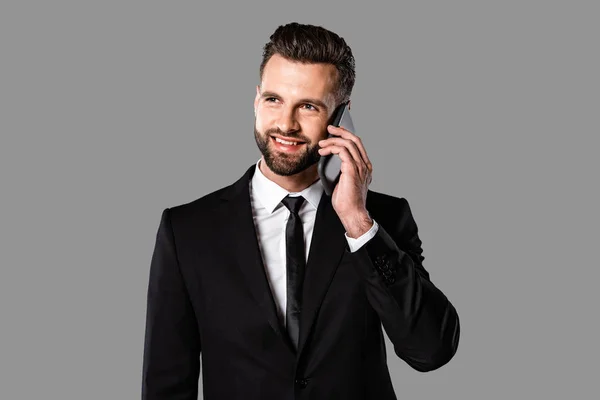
point(314, 44)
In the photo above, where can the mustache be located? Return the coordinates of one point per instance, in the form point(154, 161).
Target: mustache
point(278, 131)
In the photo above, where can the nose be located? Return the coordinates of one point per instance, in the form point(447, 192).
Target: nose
point(287, 121)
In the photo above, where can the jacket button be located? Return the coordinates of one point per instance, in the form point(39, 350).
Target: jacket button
point(302, 383)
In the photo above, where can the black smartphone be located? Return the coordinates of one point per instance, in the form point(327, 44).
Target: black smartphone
point(329, 166)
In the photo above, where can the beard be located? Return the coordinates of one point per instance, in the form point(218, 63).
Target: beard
point(286, 164)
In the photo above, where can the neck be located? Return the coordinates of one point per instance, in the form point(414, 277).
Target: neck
point(293, 183)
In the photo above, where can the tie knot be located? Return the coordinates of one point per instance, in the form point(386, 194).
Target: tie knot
point(293, 203)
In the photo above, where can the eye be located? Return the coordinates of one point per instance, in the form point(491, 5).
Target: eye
point(310, 107)
point(270, 99)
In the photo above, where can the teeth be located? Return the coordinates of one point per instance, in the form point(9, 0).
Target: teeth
point(285, 141)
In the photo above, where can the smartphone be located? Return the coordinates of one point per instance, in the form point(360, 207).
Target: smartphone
point(329, 166)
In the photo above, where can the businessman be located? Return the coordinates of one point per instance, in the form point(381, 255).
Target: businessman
point(278, 290)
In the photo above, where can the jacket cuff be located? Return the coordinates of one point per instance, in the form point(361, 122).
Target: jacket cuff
point(356, 243)
point(381, 258)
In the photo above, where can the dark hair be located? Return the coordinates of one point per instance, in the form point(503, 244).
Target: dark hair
point(314, 44)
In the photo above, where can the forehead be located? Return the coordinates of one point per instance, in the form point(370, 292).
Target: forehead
point(295, 79)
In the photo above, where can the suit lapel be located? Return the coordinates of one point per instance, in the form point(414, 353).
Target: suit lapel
point(240, 227)
point(326, 250)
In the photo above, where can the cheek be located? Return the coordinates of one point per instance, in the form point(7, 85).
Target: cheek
point(315, 130)
point(264, 120)
point(260, 123)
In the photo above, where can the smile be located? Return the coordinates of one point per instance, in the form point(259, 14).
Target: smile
point(286, 145)
point(286, 141)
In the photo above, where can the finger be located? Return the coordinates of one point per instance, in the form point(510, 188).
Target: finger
point(346, 134)
point(347, 159)
point(351, 146)
point(355, 158)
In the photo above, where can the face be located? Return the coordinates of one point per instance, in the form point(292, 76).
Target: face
point(293, 102)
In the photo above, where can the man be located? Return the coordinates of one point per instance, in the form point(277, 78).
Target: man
point(282, 289)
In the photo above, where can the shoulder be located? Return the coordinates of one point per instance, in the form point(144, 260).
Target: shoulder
point(389, 210)
point(381, 201)
point(201, 207)
point(208, 210)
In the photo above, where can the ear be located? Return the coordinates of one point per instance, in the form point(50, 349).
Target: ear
point(349, 104)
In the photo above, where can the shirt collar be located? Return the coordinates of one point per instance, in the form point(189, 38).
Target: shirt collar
point(269, 194)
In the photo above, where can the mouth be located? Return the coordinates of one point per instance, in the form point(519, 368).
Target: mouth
point(288, 145)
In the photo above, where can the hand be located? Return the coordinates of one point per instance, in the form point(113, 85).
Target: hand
point(349, 197)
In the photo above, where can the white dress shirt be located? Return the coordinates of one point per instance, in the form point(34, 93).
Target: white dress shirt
point(270, 219)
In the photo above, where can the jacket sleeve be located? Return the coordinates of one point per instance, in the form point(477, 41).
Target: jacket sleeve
point(417, 317)
point(171, 364)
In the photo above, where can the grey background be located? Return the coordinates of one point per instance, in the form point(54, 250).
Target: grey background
point(484, 115)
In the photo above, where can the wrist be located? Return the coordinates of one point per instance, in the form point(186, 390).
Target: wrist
point(357, 224)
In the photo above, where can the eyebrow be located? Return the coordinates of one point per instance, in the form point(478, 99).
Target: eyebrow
point(316, 102)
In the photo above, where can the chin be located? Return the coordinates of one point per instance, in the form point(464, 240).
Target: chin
point(283, 165)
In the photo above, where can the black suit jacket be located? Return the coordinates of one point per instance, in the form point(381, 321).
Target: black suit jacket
point(208, 295)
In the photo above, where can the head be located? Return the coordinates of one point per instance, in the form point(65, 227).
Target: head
point(306, 72)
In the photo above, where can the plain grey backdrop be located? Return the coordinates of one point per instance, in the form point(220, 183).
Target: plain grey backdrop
point(483, 115)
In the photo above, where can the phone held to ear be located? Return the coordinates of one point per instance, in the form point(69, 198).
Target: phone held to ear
point(329, 166)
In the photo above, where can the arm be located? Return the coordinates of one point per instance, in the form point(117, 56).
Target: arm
point(171, 363)
point(417, 317)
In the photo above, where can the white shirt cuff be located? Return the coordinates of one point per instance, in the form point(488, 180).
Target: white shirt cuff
point(357, 243)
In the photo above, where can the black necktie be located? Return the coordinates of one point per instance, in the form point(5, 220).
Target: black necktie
point(295, 263)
